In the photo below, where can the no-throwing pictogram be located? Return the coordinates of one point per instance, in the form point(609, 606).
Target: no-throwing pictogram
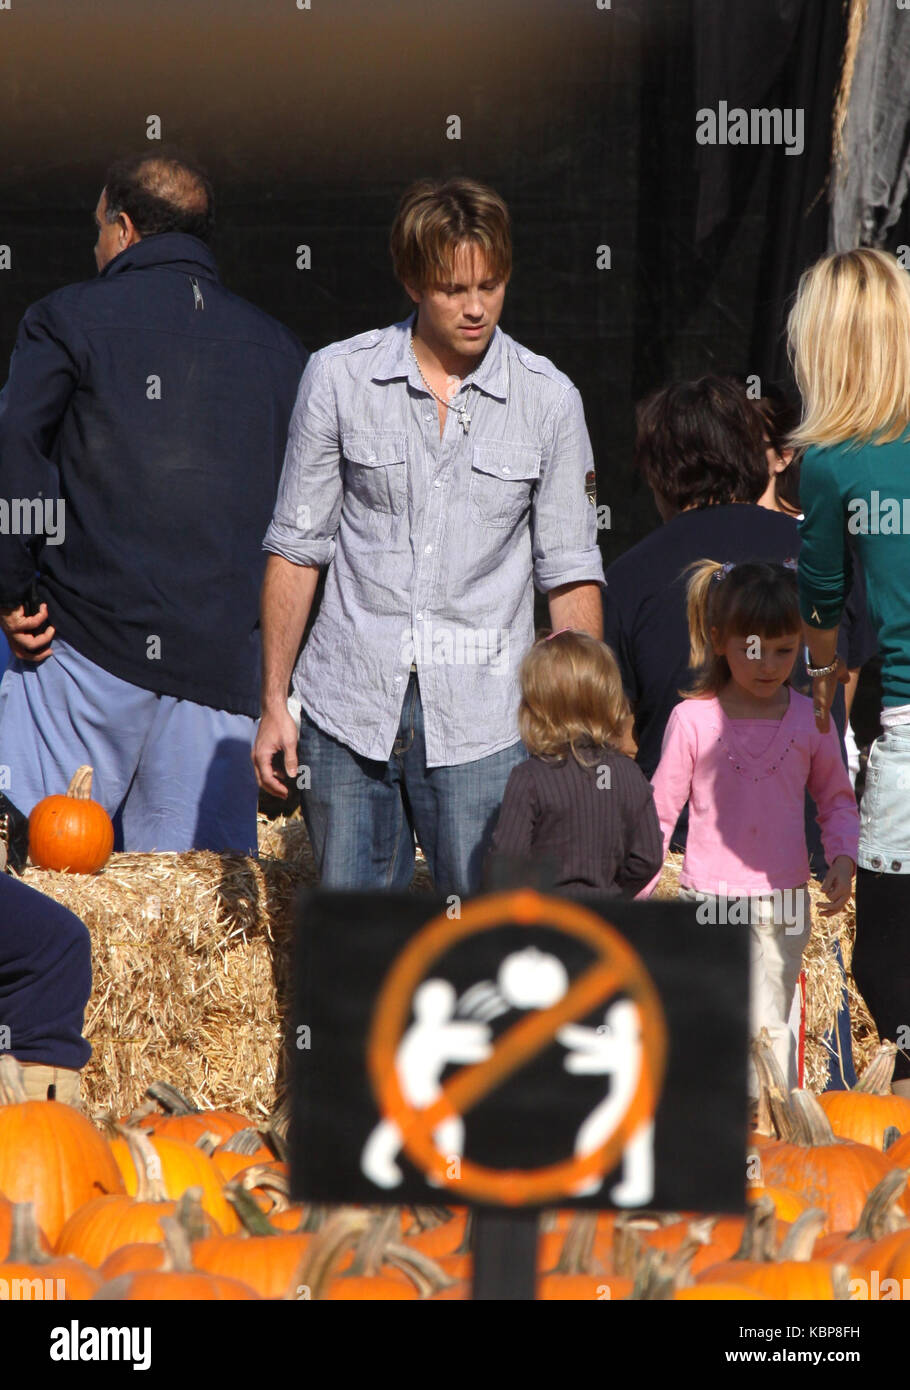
point(616, 974)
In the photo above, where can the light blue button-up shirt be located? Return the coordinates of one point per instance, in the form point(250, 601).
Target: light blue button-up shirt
point(433, 546)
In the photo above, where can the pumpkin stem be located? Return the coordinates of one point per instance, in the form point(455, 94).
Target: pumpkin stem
point(316, 1217)
point(24, 1247)
point(191, 1216)
point(652, 1284)
point(467, 1240)
point(577, 1253)
point(759, 1232)
point(428, 1218)
point(275, 1184)
point(890, 1136)
point(149, 1177)
point(879, 1215)
point(208, 1143)
point(80, 786)
point(876, 1079)
point(12, 1085)
point(812, 1124)
point(243, 1141)
point(840, 1283)
point(177, 1244)
point(321, 1260)
point(254, 1221)
point(423, 1272)
point(774, 1110)
point(368, 1257)
point(799, 1242)
point(172, 1101)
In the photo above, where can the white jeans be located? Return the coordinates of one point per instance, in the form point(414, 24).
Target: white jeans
point(779, 925)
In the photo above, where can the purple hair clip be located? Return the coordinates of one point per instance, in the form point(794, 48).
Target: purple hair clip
point(722, 573)
point(791, 564)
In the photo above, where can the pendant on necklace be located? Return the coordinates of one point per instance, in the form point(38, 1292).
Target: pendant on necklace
point(464, 418)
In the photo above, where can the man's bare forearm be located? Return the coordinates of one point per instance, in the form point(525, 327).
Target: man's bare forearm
point(577, 606)
point(287, 597)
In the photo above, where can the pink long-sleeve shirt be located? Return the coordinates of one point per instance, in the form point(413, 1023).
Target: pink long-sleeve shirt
point(745, 780)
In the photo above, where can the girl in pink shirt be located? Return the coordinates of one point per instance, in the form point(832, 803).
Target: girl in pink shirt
point(743, 749)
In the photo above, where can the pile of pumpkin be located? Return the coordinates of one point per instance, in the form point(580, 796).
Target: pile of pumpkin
point(181, 1204)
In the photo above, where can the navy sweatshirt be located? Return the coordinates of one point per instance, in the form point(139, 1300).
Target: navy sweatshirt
point(45, 977)
point(597, 824)
point(155, 404)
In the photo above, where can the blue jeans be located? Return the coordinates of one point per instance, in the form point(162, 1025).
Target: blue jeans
point(884, 836)
point(362, 815)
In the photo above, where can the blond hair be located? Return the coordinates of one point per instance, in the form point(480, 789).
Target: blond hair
point(571, 695)
point(434, 219)
point(849, 341)
point(757, 598)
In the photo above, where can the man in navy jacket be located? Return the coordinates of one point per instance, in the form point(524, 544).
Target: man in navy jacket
point(142, 434)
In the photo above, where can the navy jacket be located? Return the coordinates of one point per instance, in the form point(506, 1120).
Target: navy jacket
point(155, 405)
point(45, 977)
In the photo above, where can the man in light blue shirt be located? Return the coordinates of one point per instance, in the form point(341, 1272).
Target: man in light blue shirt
point(439, 470)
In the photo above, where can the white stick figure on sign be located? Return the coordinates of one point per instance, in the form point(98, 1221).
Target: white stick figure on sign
point(434, 1039)
point(613, 1049)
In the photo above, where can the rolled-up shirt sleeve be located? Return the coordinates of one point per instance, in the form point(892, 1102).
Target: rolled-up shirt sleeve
point(563, 521)
point(825, 567)
point(310, 492)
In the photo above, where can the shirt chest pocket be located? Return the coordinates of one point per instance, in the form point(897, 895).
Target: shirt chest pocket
point(375, 469)
point(502, 480)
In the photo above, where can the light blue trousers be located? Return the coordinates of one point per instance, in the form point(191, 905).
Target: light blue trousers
point(173, 775)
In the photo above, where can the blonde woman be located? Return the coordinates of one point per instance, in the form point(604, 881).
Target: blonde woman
point(849, 335)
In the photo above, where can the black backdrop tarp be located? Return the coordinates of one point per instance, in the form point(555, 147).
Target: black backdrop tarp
point(312, 121)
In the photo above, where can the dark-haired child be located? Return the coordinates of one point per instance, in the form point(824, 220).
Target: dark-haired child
point(742, 748)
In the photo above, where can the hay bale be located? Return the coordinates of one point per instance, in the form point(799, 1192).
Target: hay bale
point(192, 957)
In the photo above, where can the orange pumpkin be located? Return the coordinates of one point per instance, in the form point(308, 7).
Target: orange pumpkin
point(181, 1166)
point(780, 1279)
point(50, 1154)
point(588, 1288)
point(898, 1153)
point(129, 1259)
point(61, 1277)
point(176, 1279)
point(881, 1219)
point(6, 1230)
point(787, 1203)
point(866, 1112)
point(719, 1292)
point(176, 1287)
point(834, 1174)
point(443, 1237)
point(269, 1264)
point(181, 1119)
point(102, 1226)
point(71, 833)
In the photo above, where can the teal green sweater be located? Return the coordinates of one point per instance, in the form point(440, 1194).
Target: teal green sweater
point(860, 495)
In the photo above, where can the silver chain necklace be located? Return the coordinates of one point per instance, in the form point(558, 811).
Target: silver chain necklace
point(461, 409)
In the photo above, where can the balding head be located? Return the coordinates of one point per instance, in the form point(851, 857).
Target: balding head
point(158, 193)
